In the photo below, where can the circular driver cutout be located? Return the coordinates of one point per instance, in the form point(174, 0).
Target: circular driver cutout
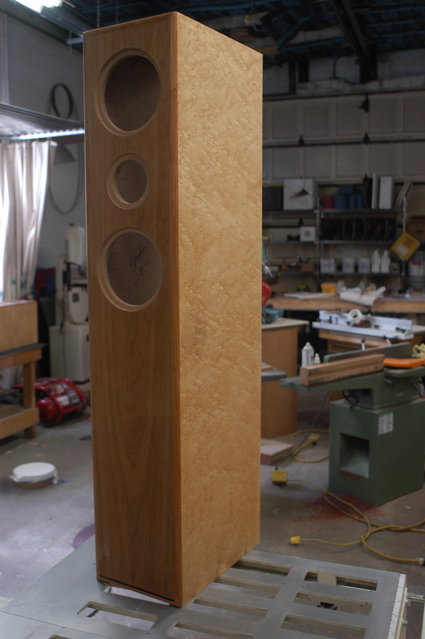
point(132, 89)
point(128, 180)
point(132, 269)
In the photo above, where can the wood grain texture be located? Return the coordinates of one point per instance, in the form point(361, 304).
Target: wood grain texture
point(18, 324)
point(18, 330)
point(388, 304)
point(219, 182)
point(279, 405)
point(16, 418)
point(341, 369)
point(175, 385)
point(18, 358)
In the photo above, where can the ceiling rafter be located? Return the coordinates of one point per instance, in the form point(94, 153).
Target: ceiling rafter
point(352, 32)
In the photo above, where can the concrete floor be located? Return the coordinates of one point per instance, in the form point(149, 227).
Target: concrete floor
point(40, 527)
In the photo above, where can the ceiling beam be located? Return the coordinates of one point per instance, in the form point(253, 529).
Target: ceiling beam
point(353, 34)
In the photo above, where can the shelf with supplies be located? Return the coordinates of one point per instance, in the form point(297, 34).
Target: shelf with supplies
point(364, 242)
point(336, 230)
point(358, 225)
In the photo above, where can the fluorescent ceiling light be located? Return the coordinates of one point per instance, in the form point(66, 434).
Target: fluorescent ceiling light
point(37, 5)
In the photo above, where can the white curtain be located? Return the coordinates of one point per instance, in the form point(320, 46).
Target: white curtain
point(24, 168)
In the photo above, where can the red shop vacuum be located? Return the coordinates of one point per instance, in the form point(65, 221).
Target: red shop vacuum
point(56, 398)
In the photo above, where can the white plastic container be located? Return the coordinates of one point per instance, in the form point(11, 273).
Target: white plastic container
point(307, 355)
point(34, 475)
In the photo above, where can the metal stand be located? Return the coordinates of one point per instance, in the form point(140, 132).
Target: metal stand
point(264, 596)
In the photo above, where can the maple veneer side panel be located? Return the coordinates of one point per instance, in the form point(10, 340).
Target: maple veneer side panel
point(134, 354)
point(219, 201)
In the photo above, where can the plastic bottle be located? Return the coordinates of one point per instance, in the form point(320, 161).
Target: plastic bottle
point(385, 262)
point(376, 261)
point(307, 355)
point(316, 359)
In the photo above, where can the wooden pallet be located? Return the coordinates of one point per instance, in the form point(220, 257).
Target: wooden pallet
point(264, 596)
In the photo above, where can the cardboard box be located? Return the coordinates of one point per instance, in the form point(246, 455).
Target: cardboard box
point(327, 265)
point(405, 246)
point(307, 267)
point(18, 324)
point(328, 287)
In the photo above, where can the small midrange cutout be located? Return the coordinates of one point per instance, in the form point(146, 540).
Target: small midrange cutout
point(128, 181)
point(131, 270)
point(132, 90)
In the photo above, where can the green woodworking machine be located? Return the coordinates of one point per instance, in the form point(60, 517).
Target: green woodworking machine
point(377, 432)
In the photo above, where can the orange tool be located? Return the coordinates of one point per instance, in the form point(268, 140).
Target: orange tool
point(414, 362)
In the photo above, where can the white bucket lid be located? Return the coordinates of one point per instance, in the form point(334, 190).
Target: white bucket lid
point(33, 472)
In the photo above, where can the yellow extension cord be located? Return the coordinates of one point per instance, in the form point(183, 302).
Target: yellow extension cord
point(311, 439)
point(356, 513)
point(372, 528)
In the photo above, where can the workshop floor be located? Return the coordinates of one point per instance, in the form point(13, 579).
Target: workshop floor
point(40, 527)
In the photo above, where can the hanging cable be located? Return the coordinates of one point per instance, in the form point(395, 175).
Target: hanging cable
point(71, 110)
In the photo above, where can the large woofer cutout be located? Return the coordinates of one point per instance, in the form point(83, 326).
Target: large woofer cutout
point(131, 94)
point(131, 269)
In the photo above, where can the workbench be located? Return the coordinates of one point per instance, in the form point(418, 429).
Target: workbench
point(19, 347)
point(280, 350)
point(338, 342)
point(390, 304)
point(26, 416)
point(263, 596)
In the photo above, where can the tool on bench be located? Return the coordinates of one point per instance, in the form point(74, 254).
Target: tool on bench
point(377, 432)
point(356, 323)
point(270, 314)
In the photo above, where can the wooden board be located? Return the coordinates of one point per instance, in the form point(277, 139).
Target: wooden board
point(326, 303)
point(17, 358)
point(341, 369)
point(279, 405)
point(175, 423)
point(273, 450)
point(18, 324)
point(15, 418)
point(388, 304)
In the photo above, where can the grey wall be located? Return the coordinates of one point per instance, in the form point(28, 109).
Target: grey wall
point(34, 63)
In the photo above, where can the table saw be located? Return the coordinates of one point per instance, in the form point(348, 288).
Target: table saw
point(377, 431)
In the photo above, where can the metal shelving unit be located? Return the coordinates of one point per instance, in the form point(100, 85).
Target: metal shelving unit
point(391, 221)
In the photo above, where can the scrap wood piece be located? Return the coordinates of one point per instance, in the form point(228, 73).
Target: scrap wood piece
point(341, 369)
point(266, 367)
point(273, 450)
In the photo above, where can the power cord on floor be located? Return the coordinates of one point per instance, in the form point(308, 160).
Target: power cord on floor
point(350, 510)
point(314, 434)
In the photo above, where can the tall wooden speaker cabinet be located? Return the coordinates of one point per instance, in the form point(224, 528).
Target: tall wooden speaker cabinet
point(173, 153)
